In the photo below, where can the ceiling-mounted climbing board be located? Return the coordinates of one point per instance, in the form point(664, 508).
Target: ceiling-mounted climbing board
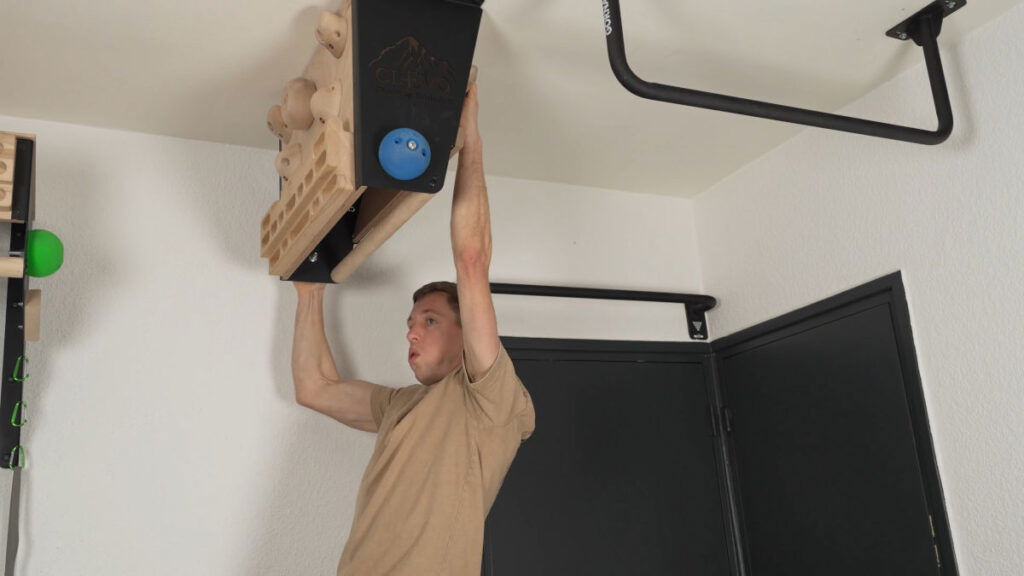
point(367, 131)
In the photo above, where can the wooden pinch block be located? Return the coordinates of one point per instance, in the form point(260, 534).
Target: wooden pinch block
point(269, 226)
point(332, 33)
point(295, 107)
point(33, 306)
point(326, 102)
point(289, 160)
point(327, 164)
point(398, 213)
point(326, 68)
point(315, 197)
point(275, 121)
point(320, 200)
point(12, 267)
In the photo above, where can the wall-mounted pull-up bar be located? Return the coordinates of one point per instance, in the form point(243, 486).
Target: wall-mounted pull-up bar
point(696, 304)
point(923, 27)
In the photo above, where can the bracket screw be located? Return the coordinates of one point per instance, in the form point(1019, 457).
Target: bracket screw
point(951, 4)
point(903, 35)
point(313, 257)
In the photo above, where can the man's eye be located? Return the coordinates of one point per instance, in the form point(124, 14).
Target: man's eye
point(431, 321)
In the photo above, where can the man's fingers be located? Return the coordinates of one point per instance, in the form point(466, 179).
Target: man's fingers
point(470, 106)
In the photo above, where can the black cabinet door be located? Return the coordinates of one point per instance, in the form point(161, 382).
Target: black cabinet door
point(829, 479)
point(620, 476)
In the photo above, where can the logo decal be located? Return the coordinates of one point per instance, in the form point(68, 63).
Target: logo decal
point(407, 68)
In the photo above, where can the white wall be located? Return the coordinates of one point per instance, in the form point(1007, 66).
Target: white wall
point(829, 211)
point(164, 439)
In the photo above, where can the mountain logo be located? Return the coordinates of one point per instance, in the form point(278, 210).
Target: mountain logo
point(407, 68)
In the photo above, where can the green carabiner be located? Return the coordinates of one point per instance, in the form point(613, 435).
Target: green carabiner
point(18, 366)
point(18, 450)
point(14, 415)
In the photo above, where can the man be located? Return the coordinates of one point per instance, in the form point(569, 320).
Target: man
point(443, 446)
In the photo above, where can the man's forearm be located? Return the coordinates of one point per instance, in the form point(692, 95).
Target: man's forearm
point(471, 221)
point(312, 364)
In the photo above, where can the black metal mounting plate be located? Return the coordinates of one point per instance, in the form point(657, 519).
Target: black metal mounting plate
point(906, 30)
point(696, 322)
point(319, 264)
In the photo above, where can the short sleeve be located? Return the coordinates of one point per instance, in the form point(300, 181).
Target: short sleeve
point(499, 395)
point(383, 397)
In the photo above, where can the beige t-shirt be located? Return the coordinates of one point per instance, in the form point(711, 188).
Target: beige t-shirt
point(441, 456)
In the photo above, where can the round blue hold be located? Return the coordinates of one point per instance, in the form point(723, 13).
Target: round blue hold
point(404, 154)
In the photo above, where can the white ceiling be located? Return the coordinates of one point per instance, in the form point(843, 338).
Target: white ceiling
point(551, 109)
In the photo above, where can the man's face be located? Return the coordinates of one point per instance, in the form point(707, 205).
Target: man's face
point(435, 339)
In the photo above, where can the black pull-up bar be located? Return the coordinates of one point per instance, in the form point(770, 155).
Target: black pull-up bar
point(696, 304)
point(923, 28)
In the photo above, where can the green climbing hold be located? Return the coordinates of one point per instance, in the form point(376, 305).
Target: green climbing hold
point(44, 253)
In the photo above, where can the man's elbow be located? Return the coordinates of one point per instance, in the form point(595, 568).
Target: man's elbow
point(308, 392)
point(305, 399)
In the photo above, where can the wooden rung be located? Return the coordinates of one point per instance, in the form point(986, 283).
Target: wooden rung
point(12, 267)
point(397, 213)
point(33, 305)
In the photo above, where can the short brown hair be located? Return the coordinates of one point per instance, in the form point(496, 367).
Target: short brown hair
point(448, 288)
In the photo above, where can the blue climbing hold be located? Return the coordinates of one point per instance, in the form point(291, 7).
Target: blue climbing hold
point(404, 154)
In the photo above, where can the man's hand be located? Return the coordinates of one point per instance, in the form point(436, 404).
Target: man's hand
point(468, 123)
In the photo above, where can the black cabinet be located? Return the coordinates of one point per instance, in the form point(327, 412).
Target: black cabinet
point(797, 447)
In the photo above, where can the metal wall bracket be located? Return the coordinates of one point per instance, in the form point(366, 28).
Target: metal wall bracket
point(319, 263)
point(936, 12)
point(923, 27)
point(696, 322)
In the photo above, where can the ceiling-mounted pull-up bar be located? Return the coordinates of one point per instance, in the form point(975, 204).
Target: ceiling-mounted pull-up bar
point(923, 28)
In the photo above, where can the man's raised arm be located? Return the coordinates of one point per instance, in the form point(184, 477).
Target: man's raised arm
point(471, 248)
point(317, 383)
